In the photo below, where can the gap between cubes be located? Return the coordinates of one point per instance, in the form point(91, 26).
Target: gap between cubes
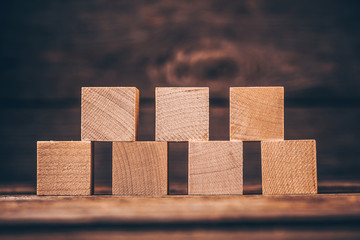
point(177, 168)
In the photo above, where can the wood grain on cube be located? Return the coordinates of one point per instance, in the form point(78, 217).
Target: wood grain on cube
point(64, 168)
point(109, 113)
point(182, 114)
point(140, 168)
point(256, 113)
point(289, 167)
point(215, 167)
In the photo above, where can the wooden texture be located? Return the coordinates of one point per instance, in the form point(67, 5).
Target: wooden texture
point(207, 234)
point(323, 216)
point(182, 114)
point(289, 167)
point(140, 168)
point(310, 47)
point(64, 168)
point(179, 209)
point(215, 167)
point(109, 114)
point(256, 113)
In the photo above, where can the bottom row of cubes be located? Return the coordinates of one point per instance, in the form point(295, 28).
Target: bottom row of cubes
point(141, 168)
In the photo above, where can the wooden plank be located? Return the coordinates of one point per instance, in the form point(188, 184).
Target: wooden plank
point(64, 168)
point(215, 168)
point(256, 113)
point(275, 233)
point(182, 114)
point(289, 167)
point(109, 114)
point(323, 208)
point(140, 168)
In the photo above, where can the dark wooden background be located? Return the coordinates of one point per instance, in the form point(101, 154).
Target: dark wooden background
point(50, 49)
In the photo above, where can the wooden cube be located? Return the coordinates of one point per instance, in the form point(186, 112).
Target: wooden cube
point(109, 113)
point(64, 168)
point(215, 167)
point(182, 114)
point(256, 113)
point(289, 167)
point(140, 168)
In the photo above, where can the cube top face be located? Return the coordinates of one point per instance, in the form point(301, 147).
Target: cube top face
point(182, 114)
point(140, 168)
point(256, 113)
point(64, 168)
point(215, 168)
point(289, 167)
point(109, 113)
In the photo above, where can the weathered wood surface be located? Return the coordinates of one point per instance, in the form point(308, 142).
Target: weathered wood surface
point(181, 114)
point(310, 47)
point(140, 168)
point(177, 209)
point(323, 216)
point(274, 233)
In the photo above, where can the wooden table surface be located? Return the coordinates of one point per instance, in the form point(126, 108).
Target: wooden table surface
point(322, 216)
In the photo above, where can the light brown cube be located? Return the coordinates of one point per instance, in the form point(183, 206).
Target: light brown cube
point(289, 167)
point(140, 168)
point(64, 168)
point(256, 113)
point(215, 168)
point(109, 113)
point(182, 114)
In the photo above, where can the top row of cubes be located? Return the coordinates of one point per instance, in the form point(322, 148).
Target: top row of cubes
point(181, 114)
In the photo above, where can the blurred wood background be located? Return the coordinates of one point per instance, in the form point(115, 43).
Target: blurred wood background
point(50, 49)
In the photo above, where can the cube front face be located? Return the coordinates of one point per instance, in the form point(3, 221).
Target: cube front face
point(289, 167)
point(64, 168)
point(140, 168)
point(109, 113)
point(182, 114)
point(215, 168)
point(256, 113)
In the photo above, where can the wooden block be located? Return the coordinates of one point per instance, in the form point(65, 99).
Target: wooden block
point(182, 114)
point(289, 167)
point(256, 113)
point(140, 168)
point(109, 113)
point(215, 167)
point(64, 168)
